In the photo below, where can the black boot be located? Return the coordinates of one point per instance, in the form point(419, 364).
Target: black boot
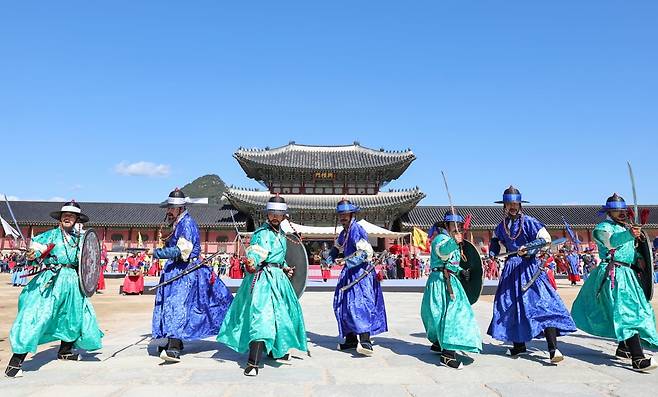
point(640, 362)
point(66, 352)
point(13, 369)
point(255, 350)
point(551, 340)
point(436, 347)
point(285, 357)
point(622, 351)
point(365, 346)
point(171, 352)
point(517, 350)
point(449, 359)
point(350, 342)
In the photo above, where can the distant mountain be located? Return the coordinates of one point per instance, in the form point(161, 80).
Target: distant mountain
point(211, 186)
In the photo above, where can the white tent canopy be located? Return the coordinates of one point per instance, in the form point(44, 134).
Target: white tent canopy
point(373, 231)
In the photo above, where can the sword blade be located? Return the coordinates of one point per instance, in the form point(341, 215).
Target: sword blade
point(630, 173)
point(13, 218)
point(452, 207)
point(358, 279)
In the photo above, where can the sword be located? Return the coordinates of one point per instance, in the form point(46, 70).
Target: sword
point(558, 241)
point(13, 218)
point(630, 173)
point(452, 207)
point(186, 272)
point(361, 276)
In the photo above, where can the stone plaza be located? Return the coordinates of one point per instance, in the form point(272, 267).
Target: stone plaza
point(402, 365)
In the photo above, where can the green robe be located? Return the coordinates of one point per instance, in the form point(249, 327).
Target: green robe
point(620, 312)
point(270, 312)
point(51, 307)
point(450, 323)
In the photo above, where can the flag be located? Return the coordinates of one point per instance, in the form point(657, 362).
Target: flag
point(419, 239)
point(140, 243)
point(572, 235)
point(9, 230)
point(467, 223)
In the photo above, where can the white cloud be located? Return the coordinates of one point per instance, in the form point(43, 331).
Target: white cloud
point(141, 168)
point(10, 198)
point(57, 198)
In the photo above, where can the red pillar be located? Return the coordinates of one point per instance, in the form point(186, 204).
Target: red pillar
point(206, 240)
point(155, 238)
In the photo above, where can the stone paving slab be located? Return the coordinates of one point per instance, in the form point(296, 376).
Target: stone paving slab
point(402, 365)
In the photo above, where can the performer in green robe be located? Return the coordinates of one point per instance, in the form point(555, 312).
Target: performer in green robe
point(449, 322)
point(265, 314)
point(611, 303)
point(52, 307)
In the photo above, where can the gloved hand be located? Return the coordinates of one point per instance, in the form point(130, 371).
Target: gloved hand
point(250, 266)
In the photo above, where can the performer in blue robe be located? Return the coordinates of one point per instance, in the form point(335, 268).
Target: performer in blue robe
point(520, 316)
point(360, 309)
point(17, 279)
point(194, 306)
point(574, 267)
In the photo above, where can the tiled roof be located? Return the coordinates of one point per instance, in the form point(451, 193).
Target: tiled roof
point(302, 158)
point(488, 217)
point(36, 213)
point(254, 198)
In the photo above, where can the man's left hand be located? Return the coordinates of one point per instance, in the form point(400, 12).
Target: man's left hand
point(290, 271)
point(523, 251)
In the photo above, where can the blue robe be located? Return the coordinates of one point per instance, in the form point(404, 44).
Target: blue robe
point(194, 306)
point(16, 276)
point(361, 308)
point(574, 261)
point(522, 316)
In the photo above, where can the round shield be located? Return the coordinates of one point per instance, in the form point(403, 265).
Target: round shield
point(297, 257)
point(89, 268)
point(644, 265)
point(473, 262)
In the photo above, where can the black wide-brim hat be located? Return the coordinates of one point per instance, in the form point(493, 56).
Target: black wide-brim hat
point(73, 208)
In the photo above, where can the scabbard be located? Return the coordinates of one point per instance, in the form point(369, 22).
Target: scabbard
point(609, 272)
point(446, 278)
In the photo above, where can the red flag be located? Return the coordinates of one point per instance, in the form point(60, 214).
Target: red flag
point(467, 222)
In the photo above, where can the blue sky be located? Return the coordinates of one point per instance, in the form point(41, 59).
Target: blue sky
point(553, 97)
